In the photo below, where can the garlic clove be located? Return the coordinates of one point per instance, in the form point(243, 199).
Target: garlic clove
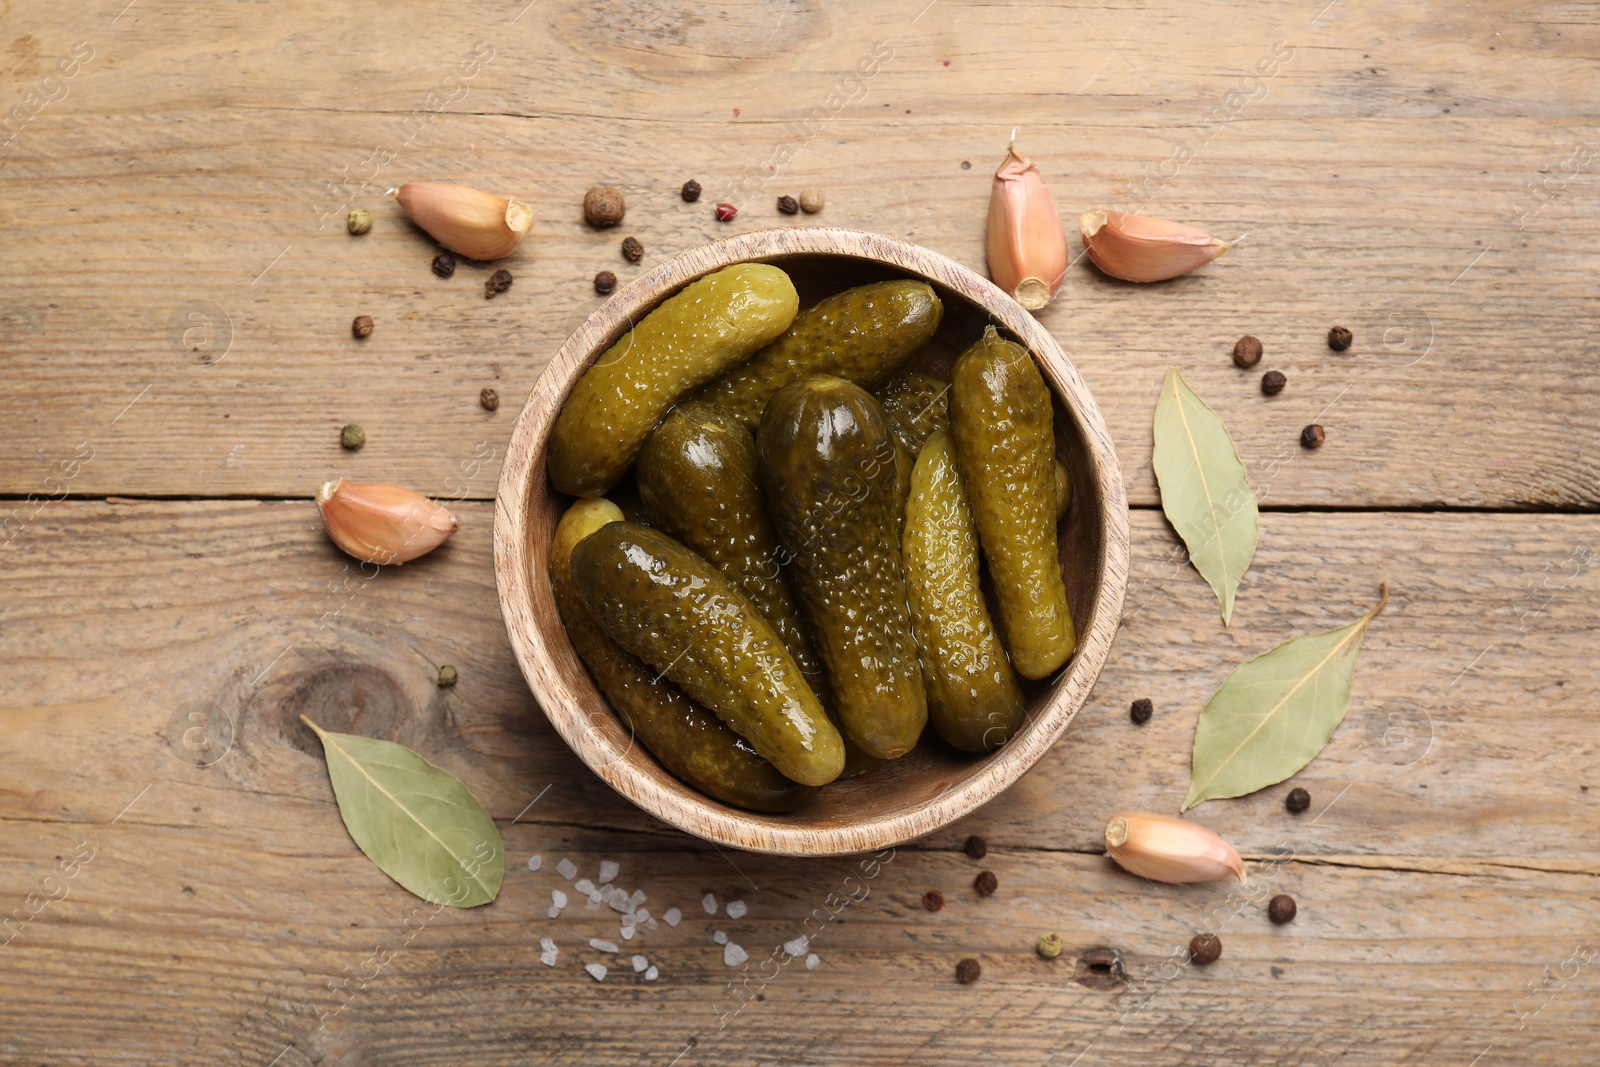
point(1165, 849)
point(474, 224)
point(1027, 246)
point(380, 523)
point(1137, 248)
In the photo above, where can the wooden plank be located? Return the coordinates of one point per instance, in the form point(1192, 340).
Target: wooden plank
point(139, 201)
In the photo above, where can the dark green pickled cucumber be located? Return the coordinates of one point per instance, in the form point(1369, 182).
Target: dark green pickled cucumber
point(828, 465)
point(973, 697)
point(1063, 487)
point(862, 335)
point(916, 404)
point(699, 477)
point(710, 325)
point(678, 613)
point(687, 739)
point(1001, 419)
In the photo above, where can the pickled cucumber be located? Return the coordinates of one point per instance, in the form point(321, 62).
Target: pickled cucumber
point(699, 476)
point(687, 739)
point(916, 404)
point(711, 325)
point(1063, 488)
point(1000, 419)
point(862, 335)
point(677, 612)
point(973, 697)
point(828, 465)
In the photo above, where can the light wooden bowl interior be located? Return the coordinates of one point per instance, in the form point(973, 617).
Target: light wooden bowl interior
point(935, 784)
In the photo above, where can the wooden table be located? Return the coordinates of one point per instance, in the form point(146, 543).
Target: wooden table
point(176, 882)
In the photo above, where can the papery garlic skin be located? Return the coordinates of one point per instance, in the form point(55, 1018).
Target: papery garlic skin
point(1137, 248)
point(1165, 849)
point(474, 224)
point(379, 523)
point(1027, 246)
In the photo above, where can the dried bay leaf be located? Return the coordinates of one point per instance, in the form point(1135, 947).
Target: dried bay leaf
point(1204, 491)
point(1275, 712)
point(418, 823)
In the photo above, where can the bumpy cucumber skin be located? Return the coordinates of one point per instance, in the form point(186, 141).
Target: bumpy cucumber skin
point(828, 464)
point(688, 740)
point(678, 613)
point(862, 335)
point(712, 324)
point(699, 476)
point(974, 700)
point(1000, 418)
point(916, 404)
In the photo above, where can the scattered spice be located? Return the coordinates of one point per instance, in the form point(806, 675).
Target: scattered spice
point(1205, 948)
point(1339, 338)
point(1050, 945)
point(986, 883)
point(1281, 909)
point(933, 900)
point(1247, 352)
point(691, 191)
point(632, 250)
point(603, 206)
point(1272, 382)
point(788, 205)
point(359, 221)
point(352, 437)
point(1313, 436)
point(444, 264)
point(1297, 801)
point(811, 200)
point(361, 326)
point(968, 971)
point(1141, 711)
point(604, 282)
point(976, 847)
point(489, 398)
point(726, 212)
point(447, 676)
point(498, 282)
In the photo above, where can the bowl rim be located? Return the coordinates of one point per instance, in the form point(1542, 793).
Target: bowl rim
point(523, 474)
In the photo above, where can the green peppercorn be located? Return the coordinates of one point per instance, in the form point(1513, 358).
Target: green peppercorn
point(447, 676)
point(359, 221)
point(1050, 945)
point(352, 437)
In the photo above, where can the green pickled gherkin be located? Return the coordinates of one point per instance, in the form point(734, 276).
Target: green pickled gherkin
point(1001, 420)
point(709, 326)
point(862, 335)
point(678, 613)
point(1063, 487)
point(916, 404)
point(688, 740)
point(699, 476)
point(828, 465)
point(974, 701)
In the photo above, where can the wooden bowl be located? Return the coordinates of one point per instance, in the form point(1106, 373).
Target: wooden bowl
point(935, 784)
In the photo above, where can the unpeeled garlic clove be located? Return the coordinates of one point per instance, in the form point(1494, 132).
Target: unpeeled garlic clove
point(1027, 247)
point(1165, 849)
point(1137, 248)
point(383, 523)
point(474, 224)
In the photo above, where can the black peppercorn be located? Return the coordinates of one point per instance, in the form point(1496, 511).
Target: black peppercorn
point(986, 883)
point(933, 900)
point(1339, 338)
point(976, 847)
point(1272, 382)
point(498, 282)
point(362, 326)
point(604, 282)
point(1141, 711)
point(1205, 948)
point(788, 205)
point(691, 191)
point(489, 398)
point(1297, 801)
point(1247, 352)
point(632, 250)
point(967, 971)
point(444, 264)
point(1313, 436)
point(1281, 909)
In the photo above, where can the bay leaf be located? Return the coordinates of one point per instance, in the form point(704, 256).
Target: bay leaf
point(1204, 491)
point(1275, 712)
point(419, 824)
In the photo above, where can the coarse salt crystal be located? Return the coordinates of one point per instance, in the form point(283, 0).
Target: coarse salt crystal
point(797, 947)
point(733, 955)
point(596, 969)
point(710, 903)
point(558, 898)
point(641, 916)
point(812, 961)
point(639, 964)
point(637, 898)
point(673, 916)
point(627, 933)
point(535, 861)
point(736, 909)
point(566, 868)
point(603, 946)
point(650, 975)
point(608, 870)
point(583, 885)
point(719, 937)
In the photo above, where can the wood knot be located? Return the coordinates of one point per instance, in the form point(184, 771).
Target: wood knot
point(1100, 968)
